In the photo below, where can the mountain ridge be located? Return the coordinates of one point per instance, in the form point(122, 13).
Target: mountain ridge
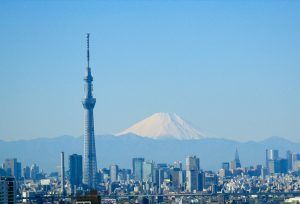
point(164, 125)
point(120, 150)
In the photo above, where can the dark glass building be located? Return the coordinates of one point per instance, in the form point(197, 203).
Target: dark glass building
point(137, 167)
point(75, 170)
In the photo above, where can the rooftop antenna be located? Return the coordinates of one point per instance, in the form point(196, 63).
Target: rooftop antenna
point(88, 49)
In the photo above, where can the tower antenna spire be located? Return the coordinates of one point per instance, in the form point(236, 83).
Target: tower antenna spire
point(88, 49)
point(88, 102)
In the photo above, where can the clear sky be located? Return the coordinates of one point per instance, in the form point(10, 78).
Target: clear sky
point(231, 68)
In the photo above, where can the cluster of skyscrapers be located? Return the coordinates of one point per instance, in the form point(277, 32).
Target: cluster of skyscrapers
point(148, 177)
point(276, 164)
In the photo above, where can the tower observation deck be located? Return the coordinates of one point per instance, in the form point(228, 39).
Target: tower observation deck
point(88, 102)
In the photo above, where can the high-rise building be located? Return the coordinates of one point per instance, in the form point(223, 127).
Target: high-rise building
point(283, 166)
point(178, 164)
point(148, 171)
point(274, 166)
point(236, 163)
point(273, 163)
point(192, 163)
point(296, 161)
point(104, 175)
point(159, 176)
point(271, 154)
point(264, 172)
point(34, 171)
point(225, 166)
point(26, 172)
point(161, 172)
point(12, 168)
point(137, 167)
point(2, 172)
point(267, 159)
point(192, 180)
point(232, 165)
point(113, 171)
point(7, 190)
point(90, 161)
point(192, 171)
point(289, 157)
point(19, 171)
point(124, 175)
point(75, 171)
point(209, 180)
point(277, 165)
point(225, 169)
point(62, 173)
point(237, 159)
point(177, 178)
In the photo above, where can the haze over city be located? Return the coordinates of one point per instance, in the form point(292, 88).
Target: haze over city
point(145, 102)
point(231, 70)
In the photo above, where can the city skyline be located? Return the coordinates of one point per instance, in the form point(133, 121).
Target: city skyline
point(279, 177)
point(197, 102)
point(231, 69)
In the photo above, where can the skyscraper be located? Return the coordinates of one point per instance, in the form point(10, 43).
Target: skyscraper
point(114, 170)
point(62, 168)
point(274, 166)
point(90, 161)
point(12, 168)
point(284, 166)
point(192, 163)
point(296, 161)
point(75, 170)
point(237, 159)
point(176, 178)
point(271, 154)
point(137, 167)
point(34, 171)
point(225, 166)
point(8, 190)
point(26, 172)
point(192, 171)
point(289, 157)
point(274, 154)
point(148, 172)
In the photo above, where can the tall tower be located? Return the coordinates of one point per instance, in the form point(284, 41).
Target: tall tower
point(90, 162)
point(237, 159)
point(62, 166)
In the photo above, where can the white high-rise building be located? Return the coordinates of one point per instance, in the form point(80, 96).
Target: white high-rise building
point(192, 163)
point(192, 171)
point(114, 170)
point(148, 168)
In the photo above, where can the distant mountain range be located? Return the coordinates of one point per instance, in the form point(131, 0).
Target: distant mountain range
point(120, 150)
point(162, 137)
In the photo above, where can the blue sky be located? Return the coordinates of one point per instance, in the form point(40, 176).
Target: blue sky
point(230, 68)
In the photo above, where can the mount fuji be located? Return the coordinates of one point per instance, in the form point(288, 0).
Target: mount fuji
point(145, 139)
point(164, 125)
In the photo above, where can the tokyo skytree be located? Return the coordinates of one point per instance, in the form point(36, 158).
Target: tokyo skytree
point(88, 102)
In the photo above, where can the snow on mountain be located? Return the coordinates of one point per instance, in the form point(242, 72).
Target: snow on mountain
point(164, 125)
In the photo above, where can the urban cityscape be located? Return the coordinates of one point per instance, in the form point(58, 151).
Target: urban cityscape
point(83, 178)
point(278, 180)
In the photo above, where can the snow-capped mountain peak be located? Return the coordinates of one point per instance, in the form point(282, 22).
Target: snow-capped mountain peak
point(164, 125)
